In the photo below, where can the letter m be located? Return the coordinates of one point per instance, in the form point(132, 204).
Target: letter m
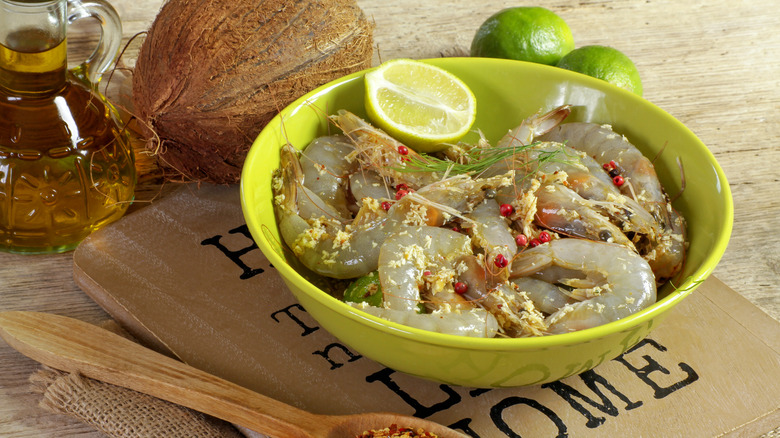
point(592, 380)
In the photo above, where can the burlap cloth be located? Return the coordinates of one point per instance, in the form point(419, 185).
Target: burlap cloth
point(121, 412)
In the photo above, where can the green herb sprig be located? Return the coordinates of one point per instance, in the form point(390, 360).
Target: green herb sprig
point(478, 159)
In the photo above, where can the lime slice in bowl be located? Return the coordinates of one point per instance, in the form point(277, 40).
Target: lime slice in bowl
point(423, 106)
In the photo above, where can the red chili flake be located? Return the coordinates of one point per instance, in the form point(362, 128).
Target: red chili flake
point(403, 150)
point(500, 261)
point(456, 229)
point(386, 205)
point(400, 194)
point(401, 186)
point(610, 166)
point(426, 273)
point(535, 243)
point(521, 240)
point(460, 287)
point(544, 237)
point(506, 210)
point(618, 180)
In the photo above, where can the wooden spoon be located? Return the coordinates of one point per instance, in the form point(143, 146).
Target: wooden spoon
point(75, 346)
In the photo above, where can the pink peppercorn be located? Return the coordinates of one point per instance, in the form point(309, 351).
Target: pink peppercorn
point(500, 261)
point(506, 210)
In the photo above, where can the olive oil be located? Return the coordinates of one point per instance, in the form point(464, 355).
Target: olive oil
point(66, 167)
point(35, 62)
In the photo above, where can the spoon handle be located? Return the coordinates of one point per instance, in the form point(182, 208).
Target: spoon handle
point(75, 346)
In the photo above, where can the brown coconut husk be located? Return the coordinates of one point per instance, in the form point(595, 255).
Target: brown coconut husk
point(211, 74)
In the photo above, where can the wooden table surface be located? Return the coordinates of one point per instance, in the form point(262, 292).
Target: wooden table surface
point(714, 65)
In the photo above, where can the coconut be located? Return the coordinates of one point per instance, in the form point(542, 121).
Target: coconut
point(210, 74)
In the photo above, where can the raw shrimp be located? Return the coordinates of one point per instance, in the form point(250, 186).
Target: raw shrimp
point(610, 281)
point(585, 174)
point(369, 184)
point(514, 310)
point(382, 153)
point(520, 138)
point(547, 297)
point(406, 255)
point(555, 206)
point(561, 209)
point(582, 174)
point(525, 159)
point(326, 245)
point(330, 247)
point(605, 145)
point(326, 166)
point(641, 183)
point(475, 322)
point(453, 196)
point(587, 178)
point(490, 231)
point(534, 126)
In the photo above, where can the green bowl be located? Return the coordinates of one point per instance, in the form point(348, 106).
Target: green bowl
point(507, 92)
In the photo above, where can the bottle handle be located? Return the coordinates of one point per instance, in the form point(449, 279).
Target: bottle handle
point(107, 50)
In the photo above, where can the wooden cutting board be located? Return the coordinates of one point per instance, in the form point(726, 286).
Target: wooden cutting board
point(185, 277)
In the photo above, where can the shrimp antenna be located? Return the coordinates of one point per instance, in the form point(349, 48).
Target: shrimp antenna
point(682, 180)
point(323, 114)
point(284, 130)
point(280, 247)
point(663, 148)
point(414, 196)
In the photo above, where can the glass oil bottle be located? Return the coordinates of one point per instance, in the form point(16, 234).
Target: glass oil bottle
point(66, 166)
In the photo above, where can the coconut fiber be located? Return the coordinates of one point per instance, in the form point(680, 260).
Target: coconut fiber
point(211, 74)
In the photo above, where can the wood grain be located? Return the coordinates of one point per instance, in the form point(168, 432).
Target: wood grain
point(714, 65)
point(74, 346)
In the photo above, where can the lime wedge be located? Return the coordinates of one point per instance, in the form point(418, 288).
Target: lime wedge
point(423, 106)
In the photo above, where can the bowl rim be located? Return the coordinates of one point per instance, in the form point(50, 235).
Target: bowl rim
point(498, 344)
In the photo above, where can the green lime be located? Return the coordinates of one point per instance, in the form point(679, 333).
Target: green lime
point(604, 63)
point(531, 34)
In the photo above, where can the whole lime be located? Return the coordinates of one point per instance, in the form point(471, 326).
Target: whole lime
point(533, 34)
point(606, 63)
